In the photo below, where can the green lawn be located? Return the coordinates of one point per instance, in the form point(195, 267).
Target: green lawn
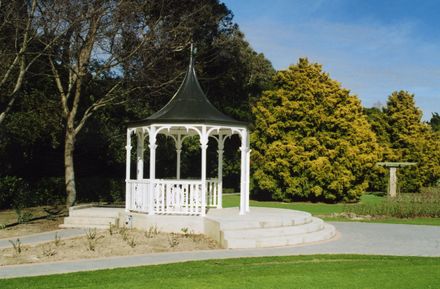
point(318, 271)
point(324, 210)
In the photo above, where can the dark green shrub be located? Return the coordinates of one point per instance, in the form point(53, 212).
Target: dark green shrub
point(49, 191)
point(17, 193)
point(14, 192)
point(100, 189)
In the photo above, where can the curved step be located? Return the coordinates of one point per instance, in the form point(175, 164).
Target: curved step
point(326, 233)
point(315, 224)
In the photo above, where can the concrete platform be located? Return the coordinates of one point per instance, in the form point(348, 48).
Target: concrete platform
point(260, 228)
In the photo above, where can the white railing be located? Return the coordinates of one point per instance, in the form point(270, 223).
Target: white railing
point(212, 190)
point(171, 196)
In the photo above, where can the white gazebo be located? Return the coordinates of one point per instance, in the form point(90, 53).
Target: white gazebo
point(188, 113)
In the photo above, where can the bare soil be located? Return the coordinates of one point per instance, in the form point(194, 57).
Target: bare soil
point(106, 243)
point(43, 224)
point(33, 227)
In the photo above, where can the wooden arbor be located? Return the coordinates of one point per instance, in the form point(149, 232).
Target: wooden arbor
point(188, 113)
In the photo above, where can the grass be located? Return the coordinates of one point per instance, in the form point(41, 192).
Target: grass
point(424, 204)
point(313, 208)
point(316, 271)
point(325, 211)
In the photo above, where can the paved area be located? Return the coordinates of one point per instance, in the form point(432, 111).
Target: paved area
point(43, 237)
point(354, 238)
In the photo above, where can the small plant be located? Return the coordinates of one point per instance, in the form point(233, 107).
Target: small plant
point(123, 231)
point(92, 239)
point(91, 234)
point(185, 232)
point(57, 239)
point(23, 217)
point(131, 242)
point(110, 228)
point(2, 226)
point(152, 232)
point(49, 251)
point(173, 240)
point(16, 245)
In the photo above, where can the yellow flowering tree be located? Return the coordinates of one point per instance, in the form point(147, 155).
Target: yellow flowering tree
point(411, 140)
point(311, 139)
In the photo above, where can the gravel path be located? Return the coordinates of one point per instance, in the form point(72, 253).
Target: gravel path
point(353, 238)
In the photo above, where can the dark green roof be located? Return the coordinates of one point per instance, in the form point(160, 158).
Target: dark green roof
point(189, 105)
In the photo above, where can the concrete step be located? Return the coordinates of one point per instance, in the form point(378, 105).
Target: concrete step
point(84, 226)
point(314, 225)
point(325, 233)
point(268, 223)
point(75, 220)
point(96, 212)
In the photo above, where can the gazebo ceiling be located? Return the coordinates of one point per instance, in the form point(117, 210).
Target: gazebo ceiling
point(189, 105)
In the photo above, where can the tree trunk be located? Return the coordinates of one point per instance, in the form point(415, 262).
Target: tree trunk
point(69, 147)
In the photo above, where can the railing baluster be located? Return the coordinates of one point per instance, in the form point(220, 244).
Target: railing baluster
point(171, 196)
point(186, 192)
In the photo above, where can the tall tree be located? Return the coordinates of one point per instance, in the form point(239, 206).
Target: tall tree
point(411, 140)
point(311, 139)
point(435, 122)
point(88, 34)
point(21, 44)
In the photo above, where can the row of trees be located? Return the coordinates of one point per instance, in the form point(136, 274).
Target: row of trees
point(313, 140)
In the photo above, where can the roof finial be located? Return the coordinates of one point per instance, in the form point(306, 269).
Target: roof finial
point(192, 55)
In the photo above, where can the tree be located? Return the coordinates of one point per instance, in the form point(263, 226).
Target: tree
point(311, 139)
point(379, 124)
point(21, 44)
point(88, 37)
point(411, 140)
point(435, 122)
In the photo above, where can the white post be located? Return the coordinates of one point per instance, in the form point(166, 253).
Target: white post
point(127, 171)
point(221, 143)
point(392, 190)
point(140, 155)
point(248, 169)
point(153, 147)
point(243, 173)
point(203, 146)
point(178, 152)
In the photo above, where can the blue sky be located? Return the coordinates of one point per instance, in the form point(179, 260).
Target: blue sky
point(371, 47)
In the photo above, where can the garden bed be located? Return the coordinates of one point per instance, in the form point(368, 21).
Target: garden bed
point(106, 243)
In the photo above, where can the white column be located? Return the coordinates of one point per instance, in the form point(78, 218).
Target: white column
point(220, 170)
point(152, 146)
point(127, 171)
point(178, 152)
point(140, 155)
point(203, 146)
point(392, 190)
point(243, 173)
